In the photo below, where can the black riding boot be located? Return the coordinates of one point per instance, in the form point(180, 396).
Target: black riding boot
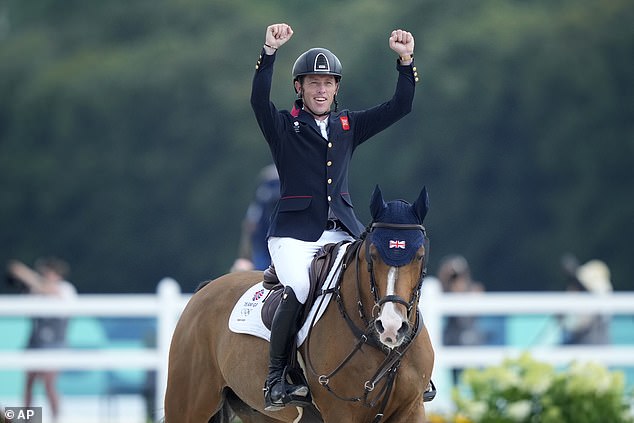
point(278, 392)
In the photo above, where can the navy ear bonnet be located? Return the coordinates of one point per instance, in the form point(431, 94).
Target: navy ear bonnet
point(398, 245)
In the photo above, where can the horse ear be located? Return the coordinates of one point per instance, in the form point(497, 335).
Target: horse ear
point(421, 205)
point(377, 204)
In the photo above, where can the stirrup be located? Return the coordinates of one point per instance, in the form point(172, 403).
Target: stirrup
point(300, 395)
point(430, 392)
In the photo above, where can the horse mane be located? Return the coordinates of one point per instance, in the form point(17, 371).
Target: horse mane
point(202, 285)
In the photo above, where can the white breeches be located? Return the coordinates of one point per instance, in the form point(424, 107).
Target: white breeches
point(292, 258)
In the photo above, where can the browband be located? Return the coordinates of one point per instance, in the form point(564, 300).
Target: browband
point(402, 226)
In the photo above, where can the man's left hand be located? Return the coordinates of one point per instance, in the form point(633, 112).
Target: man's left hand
point(402, 42)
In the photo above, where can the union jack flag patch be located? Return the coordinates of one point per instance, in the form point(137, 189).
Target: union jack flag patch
point(397, 244)
point(344, 123)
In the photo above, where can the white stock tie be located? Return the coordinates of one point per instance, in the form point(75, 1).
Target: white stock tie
point(323, 125)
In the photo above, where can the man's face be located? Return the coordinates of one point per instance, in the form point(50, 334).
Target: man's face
point(318, 92)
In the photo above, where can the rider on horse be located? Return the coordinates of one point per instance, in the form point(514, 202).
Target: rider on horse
point(311, 147)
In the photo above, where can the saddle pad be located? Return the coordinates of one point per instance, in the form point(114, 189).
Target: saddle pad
point(246, 314)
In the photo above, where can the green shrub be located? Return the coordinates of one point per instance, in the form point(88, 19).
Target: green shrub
point(527, 391)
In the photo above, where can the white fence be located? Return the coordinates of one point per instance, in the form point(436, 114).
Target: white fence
point(437, 305)
point(165, 306)
point(168, 303)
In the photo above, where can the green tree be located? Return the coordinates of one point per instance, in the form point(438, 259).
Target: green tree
point(127, 144)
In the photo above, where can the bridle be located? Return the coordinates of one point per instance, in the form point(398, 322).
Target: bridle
point(389, 367)
point(370, 265)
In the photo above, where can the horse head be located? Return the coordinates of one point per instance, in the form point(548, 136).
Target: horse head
point(396, 249)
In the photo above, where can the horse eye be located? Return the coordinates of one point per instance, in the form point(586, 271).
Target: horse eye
point(374, 253)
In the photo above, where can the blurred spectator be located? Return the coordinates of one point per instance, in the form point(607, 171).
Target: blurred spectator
point(455, 276)
point(253, 252)
point(148, 392)
point(593, 277)
point(47, 279)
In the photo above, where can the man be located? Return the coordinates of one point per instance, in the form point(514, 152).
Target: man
point(311, 147)
point(253, 253)
point(47, 279)
point(454, 274)
point(592, 277)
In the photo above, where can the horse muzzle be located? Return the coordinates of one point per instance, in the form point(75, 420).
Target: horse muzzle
point(391, 323)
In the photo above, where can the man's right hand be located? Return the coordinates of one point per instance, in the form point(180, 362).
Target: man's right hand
point(277, 35)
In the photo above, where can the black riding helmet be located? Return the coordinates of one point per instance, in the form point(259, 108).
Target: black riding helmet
point(317, 61)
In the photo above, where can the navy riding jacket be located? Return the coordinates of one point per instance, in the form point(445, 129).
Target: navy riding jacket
point(314, 171)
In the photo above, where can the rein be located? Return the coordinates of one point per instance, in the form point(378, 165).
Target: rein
point(390, 365)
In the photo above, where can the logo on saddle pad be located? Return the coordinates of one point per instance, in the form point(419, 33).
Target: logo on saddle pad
point(258, 294)
point(246, 316)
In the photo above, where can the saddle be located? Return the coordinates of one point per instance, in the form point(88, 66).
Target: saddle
point(319, 269)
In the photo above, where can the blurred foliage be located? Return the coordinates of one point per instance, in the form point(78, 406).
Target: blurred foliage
point(128, 146)
point(524, 390)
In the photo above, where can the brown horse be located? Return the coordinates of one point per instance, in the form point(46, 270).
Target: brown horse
point(367, 359)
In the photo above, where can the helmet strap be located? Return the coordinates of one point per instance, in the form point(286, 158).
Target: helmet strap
point(299, 103)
